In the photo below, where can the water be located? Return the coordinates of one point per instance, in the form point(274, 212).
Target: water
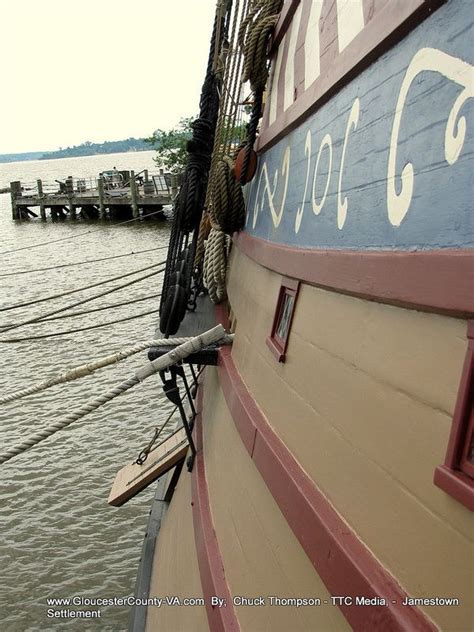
point(59, 538)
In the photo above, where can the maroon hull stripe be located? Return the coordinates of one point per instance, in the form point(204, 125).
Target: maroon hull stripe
point(340, 559)
point(435, 280)
point(211, 568)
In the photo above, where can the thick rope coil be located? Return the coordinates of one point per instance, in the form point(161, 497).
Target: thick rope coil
point(228, 207)
point(253, 36)
point(215, 263)
point(172, 357)
point(204, 228)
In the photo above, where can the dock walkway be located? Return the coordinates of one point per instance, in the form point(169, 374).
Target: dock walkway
point(112, 195)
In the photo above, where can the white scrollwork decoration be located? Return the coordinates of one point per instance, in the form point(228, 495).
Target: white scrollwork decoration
point(270, 191)
point(299, 212)
point(342, 204)
point(455, 69)
point(326, 142)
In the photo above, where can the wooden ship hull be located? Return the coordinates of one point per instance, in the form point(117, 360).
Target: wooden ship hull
point(332, 485)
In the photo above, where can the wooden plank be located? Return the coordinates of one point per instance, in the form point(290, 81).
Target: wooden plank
point(132, 478)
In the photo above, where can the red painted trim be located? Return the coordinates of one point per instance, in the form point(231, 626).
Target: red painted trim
point(387, 27)
point(300, 52)
point(371, 7)
point(434, 280)
point(277, 345)
point(453, 477)
point(344, 564)
point(284, 21)
point(211, 568)
point(456, 484)
point(280, 106)
point(328, 36)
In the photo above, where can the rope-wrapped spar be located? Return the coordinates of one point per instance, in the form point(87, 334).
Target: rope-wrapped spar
point(172, 357)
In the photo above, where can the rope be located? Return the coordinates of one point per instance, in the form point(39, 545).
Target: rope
point(228, 206)
point(143, 455)
point(83, 370)
point(95, 309)
point(29, 321)
point(74, 331)
point(79, 289)
point(254, 35)
point(87, 232)
point(177, 295)
point(81, 263)
point(172, 357)
point(215, 262)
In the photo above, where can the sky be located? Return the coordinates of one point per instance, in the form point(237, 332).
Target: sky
point(94, 70)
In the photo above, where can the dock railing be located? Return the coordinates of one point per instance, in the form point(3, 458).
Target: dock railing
point(109, 188)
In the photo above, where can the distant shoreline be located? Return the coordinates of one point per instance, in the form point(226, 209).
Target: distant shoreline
point(86, 149)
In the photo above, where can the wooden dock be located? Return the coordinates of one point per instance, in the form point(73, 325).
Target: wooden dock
point(112, 195)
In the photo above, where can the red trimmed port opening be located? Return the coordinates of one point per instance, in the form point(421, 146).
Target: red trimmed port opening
point(456, 475)
point(277, 341)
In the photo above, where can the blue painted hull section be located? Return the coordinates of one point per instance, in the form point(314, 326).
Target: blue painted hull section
point(439, 213)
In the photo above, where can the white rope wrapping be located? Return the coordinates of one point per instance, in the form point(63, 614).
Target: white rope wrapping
point(172, 357)
point(87, 369)
point(215, 265)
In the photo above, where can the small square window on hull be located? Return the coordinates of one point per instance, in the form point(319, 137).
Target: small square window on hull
point(277, 341)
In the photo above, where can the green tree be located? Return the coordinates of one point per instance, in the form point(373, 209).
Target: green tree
point(171, 146)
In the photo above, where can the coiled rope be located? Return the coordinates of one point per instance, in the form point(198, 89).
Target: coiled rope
point(160, 364)
point(226, 202)
point(215, 263)
point(178, 290)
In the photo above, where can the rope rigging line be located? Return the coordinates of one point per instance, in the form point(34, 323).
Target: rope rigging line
point(160, 364)
point(79, 289)
point(95, 309)
point(82, 263)
point(143, 455)
point(78, 329)
point(87, 232)
point(225, 203)
point(30, 321)
point(180, 286)
point(89, 368)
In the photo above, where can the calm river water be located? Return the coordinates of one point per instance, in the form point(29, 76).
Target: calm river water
point(59, 538)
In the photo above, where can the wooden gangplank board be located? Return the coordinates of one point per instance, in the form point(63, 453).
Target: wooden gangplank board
point(132, 478)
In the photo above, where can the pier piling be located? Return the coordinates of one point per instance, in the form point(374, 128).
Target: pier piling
point(133, 193)
point(39, 184)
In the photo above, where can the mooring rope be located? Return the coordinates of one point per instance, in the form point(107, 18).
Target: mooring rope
point(83, 234)
point(95, 309)
point(81, 263)
point(79, 289)
point(160, 364)
point(35, 319)
point(69, 332)
point(90, 367)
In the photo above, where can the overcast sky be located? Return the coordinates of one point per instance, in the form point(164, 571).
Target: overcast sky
point(98, 70)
